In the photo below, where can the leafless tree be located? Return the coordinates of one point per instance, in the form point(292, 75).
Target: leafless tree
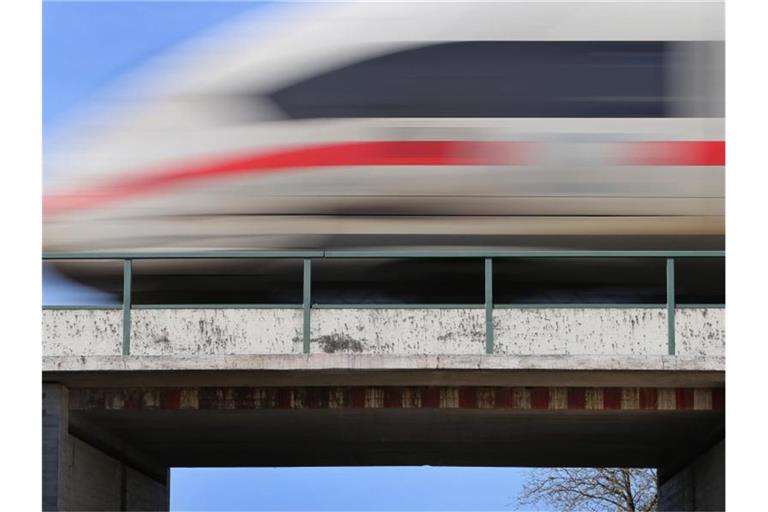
point(591, 489)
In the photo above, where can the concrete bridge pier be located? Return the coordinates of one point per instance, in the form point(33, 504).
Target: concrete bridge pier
point(697, 485)
point(85, 469)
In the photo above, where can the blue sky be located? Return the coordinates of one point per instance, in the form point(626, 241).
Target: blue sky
point(88, 45)
point(374, 488)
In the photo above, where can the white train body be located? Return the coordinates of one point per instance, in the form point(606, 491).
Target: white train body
point(389, 124)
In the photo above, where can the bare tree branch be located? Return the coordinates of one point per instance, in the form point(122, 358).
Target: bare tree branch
point(592, 489)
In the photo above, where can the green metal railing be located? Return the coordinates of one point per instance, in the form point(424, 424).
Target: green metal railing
point(307, 306)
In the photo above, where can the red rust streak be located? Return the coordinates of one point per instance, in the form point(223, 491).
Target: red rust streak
point(612, 398)
point(284, 398)
point(170, 399)
point(684, 398)
point(577, 398)
point(393, 398)
point(356, 398)
point(467, 398)
point(430, 397)
point(718, 399)
point(503, 398)
point(539, 398)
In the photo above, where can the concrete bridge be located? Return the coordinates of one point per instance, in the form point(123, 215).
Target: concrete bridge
point(133, 390)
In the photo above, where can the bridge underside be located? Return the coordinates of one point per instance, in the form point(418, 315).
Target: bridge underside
point(626, 419)
point(405, 425)
point(189, 438)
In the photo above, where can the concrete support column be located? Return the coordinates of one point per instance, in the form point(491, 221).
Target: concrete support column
point(78, 475)
point(55, 425)
point(698, 486)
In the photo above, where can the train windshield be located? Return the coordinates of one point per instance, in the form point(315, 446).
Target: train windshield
point(494, 79)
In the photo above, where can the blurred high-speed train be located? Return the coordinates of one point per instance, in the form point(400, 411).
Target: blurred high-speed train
point(369, 125)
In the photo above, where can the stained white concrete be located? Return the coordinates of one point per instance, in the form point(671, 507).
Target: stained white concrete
point(700, 331)
point(215, 331)
point(398, 331)
point(452, 333)
point(631, 332)
point(82, 332)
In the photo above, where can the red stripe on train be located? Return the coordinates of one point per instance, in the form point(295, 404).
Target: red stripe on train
point(374, 153)
point(704, 153)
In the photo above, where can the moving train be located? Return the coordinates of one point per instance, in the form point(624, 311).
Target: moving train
point(547, 125)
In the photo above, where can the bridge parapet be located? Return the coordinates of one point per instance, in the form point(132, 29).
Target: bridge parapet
point(385, 331)
point(401, 330)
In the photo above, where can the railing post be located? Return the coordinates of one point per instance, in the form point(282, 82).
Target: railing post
point(671, 306)
point(127, 277)
point(307, 302)
point(488, 306)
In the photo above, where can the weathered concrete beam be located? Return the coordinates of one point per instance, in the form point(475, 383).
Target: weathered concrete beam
point(363, 377)
point(400, 397)
point(300, 362)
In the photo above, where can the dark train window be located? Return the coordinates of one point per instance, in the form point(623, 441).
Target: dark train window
point(491, 79)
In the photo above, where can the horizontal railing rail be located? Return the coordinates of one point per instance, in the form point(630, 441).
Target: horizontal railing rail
point(307, 256)
point(492, 253)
